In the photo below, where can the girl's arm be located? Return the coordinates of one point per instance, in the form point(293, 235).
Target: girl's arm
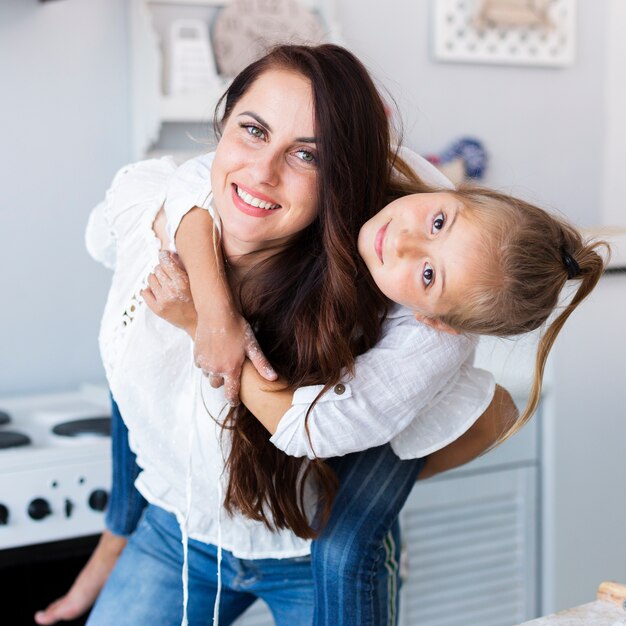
point(416, 389)
point(270, 401)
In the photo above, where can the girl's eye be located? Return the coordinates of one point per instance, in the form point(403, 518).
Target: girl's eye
point(428, 274)
point(306, 156)
point(255, 131)
point(438, 222)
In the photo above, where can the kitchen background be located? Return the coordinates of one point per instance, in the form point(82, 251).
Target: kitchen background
point(554, 135)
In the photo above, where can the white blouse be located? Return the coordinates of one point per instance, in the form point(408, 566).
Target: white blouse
point(416, 388)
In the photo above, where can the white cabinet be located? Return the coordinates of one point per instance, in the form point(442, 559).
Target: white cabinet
point(471, 550)
point(257, 615)
point(584, 521)
point(470, 538)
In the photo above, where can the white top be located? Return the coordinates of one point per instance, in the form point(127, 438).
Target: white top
point(416, 388)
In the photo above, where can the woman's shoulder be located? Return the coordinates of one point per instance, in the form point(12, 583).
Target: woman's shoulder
point(144, 175)
point(407, 334)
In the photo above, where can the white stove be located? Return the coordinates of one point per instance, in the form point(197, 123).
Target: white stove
point(55, 466)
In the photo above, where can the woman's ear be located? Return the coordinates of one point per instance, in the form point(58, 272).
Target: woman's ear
point(435, 323)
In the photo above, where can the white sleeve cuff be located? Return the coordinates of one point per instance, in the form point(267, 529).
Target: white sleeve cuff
point(290, 434)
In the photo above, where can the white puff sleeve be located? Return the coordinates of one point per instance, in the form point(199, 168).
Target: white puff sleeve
point(100, 239)
point(124, 206)
point(188, 187)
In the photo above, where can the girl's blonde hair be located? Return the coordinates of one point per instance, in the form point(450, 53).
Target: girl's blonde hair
point(529, 255)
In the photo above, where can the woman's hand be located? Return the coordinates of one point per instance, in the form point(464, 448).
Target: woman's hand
point(168, 294)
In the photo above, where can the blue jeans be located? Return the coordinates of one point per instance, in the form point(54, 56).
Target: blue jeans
point(126, 504)
point(354, 559)
point(356, 556)
point(145, 588)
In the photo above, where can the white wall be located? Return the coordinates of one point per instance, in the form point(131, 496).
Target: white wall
point(614, 212)
point(543, 127)
point(64, 128)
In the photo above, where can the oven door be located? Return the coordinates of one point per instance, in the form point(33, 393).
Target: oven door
point(33, 576)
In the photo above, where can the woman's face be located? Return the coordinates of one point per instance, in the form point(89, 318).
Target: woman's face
point(264, 175)
point(422, 252)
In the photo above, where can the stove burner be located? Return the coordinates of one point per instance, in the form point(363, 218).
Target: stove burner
point(5, 418)
point(11, 439)
point(100, 426)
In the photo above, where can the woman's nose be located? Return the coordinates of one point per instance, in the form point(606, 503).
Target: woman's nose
point(266, 168)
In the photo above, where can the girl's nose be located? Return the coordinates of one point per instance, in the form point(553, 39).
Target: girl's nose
point(407, 244)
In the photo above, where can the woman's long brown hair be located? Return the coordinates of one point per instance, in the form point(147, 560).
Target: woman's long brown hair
point(312, 304)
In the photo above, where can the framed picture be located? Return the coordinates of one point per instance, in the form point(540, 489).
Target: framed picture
point(512, 32)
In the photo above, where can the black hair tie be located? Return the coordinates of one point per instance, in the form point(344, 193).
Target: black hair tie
point(572, 267)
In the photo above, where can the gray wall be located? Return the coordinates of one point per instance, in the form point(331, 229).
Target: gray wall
point(64, 128)
point(542, 127)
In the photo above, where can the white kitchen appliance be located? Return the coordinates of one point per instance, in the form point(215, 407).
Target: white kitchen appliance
point(55, 467)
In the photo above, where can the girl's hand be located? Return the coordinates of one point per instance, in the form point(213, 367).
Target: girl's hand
point(220, 348)
point(168, 294)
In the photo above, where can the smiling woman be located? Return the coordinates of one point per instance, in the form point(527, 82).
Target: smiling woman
point(264, 174)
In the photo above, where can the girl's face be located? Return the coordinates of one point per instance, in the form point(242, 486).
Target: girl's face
point(264, 176)
point(421, 251)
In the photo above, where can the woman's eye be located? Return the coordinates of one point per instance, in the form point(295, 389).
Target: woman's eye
point(255, 131)
point(306, 156)
point(438, 223)
point(428, 275)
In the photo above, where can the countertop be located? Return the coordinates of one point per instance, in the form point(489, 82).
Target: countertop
point(616, 237)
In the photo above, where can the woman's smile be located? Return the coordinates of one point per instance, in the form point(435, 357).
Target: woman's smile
point(252, 202)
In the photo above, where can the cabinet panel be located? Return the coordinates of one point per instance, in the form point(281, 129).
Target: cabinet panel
point(469, 550)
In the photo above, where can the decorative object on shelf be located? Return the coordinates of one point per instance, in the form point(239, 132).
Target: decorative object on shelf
point(465, 158)
point(191, 62)
point(507, 13)
point(513, 32)
point(245, 29)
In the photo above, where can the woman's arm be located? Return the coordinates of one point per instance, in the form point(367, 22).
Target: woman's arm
point(268, 401)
